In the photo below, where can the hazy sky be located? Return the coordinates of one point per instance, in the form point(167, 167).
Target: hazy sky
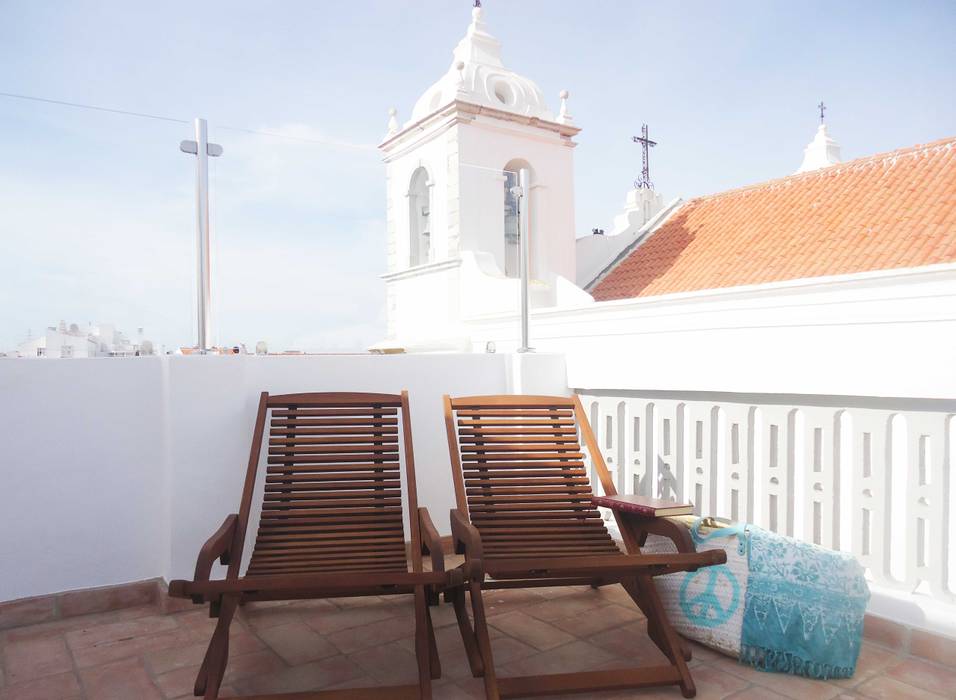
point(97, 210)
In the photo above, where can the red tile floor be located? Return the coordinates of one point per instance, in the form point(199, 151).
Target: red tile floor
point(141, 653)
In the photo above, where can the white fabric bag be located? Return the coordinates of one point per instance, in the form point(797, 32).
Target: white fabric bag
point(707, 605)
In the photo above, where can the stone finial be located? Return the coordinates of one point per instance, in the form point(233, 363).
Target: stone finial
point(564, 117)
point(392, 120)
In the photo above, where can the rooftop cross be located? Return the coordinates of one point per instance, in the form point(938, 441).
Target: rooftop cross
point(822, 107)
point(645, 179)
point(477, 3)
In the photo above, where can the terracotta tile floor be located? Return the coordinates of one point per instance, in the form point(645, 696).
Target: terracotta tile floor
point(140, 653)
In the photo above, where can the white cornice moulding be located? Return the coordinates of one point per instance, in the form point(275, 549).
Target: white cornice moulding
point(419, 270)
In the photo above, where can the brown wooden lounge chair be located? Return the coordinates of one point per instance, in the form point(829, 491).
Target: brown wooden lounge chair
point(331, 525)
point(525, 518)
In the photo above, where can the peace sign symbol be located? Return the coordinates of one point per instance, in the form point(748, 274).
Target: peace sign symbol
point(699, 598)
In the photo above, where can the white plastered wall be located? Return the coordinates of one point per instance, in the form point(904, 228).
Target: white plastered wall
point(118, 469)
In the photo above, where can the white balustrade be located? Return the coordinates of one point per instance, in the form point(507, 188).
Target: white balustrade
point(868, 476)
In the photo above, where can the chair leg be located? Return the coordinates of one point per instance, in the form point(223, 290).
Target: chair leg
point(433, 595)
point(434, 659)
point(457, 596)
point(665, 637)
point(217, 655)
point(484, 642)
point(422, 645)
point(653, 626)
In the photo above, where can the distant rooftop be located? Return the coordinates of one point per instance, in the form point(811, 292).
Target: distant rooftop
point(892, 210)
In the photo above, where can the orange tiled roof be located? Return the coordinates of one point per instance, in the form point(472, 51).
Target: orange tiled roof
point(891, 210)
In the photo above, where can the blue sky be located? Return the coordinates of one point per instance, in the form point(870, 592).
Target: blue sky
point(97, 210)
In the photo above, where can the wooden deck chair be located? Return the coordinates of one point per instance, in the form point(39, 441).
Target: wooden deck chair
point(331, 525)
point(524, 518)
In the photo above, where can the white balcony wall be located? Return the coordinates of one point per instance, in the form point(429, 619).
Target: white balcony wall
point(82, 473)
point(116, 470)
point(887, 333)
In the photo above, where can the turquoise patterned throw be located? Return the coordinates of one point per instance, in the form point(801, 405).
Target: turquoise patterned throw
point(804, 606)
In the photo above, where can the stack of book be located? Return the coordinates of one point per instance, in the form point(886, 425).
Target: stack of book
point(643, 506)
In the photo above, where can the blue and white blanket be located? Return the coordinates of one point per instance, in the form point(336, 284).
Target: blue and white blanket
point(803, 608)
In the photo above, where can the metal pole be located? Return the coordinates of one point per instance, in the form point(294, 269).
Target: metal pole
point(524, 259)
point(203, 292)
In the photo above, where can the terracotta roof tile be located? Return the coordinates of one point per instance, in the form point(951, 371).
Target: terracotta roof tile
point(886, 211)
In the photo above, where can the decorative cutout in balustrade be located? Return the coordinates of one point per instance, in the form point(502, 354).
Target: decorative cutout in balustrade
point(876, 481)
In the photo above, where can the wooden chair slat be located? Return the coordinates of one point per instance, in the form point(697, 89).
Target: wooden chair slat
point(330, 485)
point(296, 505)
point(368, 447)
point(554, 499)
point(515, 440)
point(503, 488)
point(370, 439)
point(350, 411)
point(478, 413)
point(330, 464)
point(549, 515)
point(385, 516)
point(468, 451)
point(512, 473)
point(274, 555)
point(276, 475)
point(337, 399)
point(333, 538)
point(316, 422)
point(355, 544)
point(470, 459)
point(327, 568)
point(332, 491)
point(337, 512)
point(326, 454)
point(506, 523)
point(276, 530)
point(539, 422)
point(510, 401)
point(359, 430)
point(511, 430)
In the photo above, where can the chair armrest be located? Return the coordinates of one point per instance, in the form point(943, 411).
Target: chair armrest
point(218, 546)
point(467, 541)
point(431, 541)
point(466, 537)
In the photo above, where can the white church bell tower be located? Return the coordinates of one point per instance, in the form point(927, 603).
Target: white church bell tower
point(452, 243)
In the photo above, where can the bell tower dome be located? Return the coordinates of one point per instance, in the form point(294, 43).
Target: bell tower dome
point(452, 238)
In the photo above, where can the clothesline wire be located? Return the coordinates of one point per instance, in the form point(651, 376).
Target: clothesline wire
point(146, 115)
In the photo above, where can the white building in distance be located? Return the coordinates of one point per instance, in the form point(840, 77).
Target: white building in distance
point(69, 341)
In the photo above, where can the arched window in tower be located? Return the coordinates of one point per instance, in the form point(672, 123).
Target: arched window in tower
point(419, 213)
point(511, 227)
point(512, 238)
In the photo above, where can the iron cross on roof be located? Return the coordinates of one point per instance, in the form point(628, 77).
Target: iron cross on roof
point(645, 180)
point(822, 107)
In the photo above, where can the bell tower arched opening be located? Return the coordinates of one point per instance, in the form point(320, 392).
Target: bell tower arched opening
point(420, 250)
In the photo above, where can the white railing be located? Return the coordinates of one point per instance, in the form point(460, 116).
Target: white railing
point(871, 476)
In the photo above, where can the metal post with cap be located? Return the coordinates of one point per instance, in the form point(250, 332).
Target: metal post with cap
point(202, 149)
point(522, 195)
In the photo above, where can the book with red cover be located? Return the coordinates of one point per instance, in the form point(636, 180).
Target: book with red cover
point(644, 506)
